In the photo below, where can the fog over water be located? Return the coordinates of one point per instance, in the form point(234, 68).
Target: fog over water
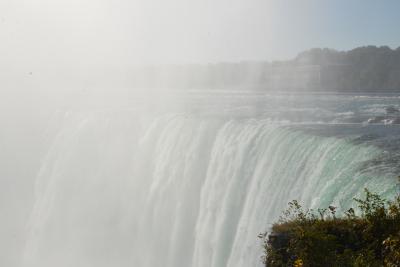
point(122, 180)
point(165, 133)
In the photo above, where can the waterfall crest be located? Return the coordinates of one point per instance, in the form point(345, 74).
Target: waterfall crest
point(178, 190)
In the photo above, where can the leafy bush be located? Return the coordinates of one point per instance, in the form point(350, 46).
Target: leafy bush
point(310, 238)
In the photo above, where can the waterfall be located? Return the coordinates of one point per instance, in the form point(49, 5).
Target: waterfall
point(179, 190)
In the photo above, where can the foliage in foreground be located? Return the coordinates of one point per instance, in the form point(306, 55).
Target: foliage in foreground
point(310, 238)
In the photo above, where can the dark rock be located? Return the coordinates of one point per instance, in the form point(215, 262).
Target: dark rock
point(278, 240)
point(392, 110)
point(377, 119)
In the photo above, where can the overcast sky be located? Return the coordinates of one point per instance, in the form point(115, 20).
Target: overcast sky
point(49, 33)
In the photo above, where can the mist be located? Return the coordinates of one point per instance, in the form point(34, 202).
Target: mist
point(78, 44)
point(129, 127)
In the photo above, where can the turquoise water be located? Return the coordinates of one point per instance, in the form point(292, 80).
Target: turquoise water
point(194, 183)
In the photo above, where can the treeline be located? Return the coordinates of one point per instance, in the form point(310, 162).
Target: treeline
point(367, 68)
point(370, 68)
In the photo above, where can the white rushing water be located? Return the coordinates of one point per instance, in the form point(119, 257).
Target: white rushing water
point(181, 190)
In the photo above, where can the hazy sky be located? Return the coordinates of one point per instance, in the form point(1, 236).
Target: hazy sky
point(49, 33)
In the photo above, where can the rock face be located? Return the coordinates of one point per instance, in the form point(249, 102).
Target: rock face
point(377, 119)
point(392, 110)
point(392, 116)
point(396, 120)
point(279, 242)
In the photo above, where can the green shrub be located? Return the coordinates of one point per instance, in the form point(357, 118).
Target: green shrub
point(309, 238)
